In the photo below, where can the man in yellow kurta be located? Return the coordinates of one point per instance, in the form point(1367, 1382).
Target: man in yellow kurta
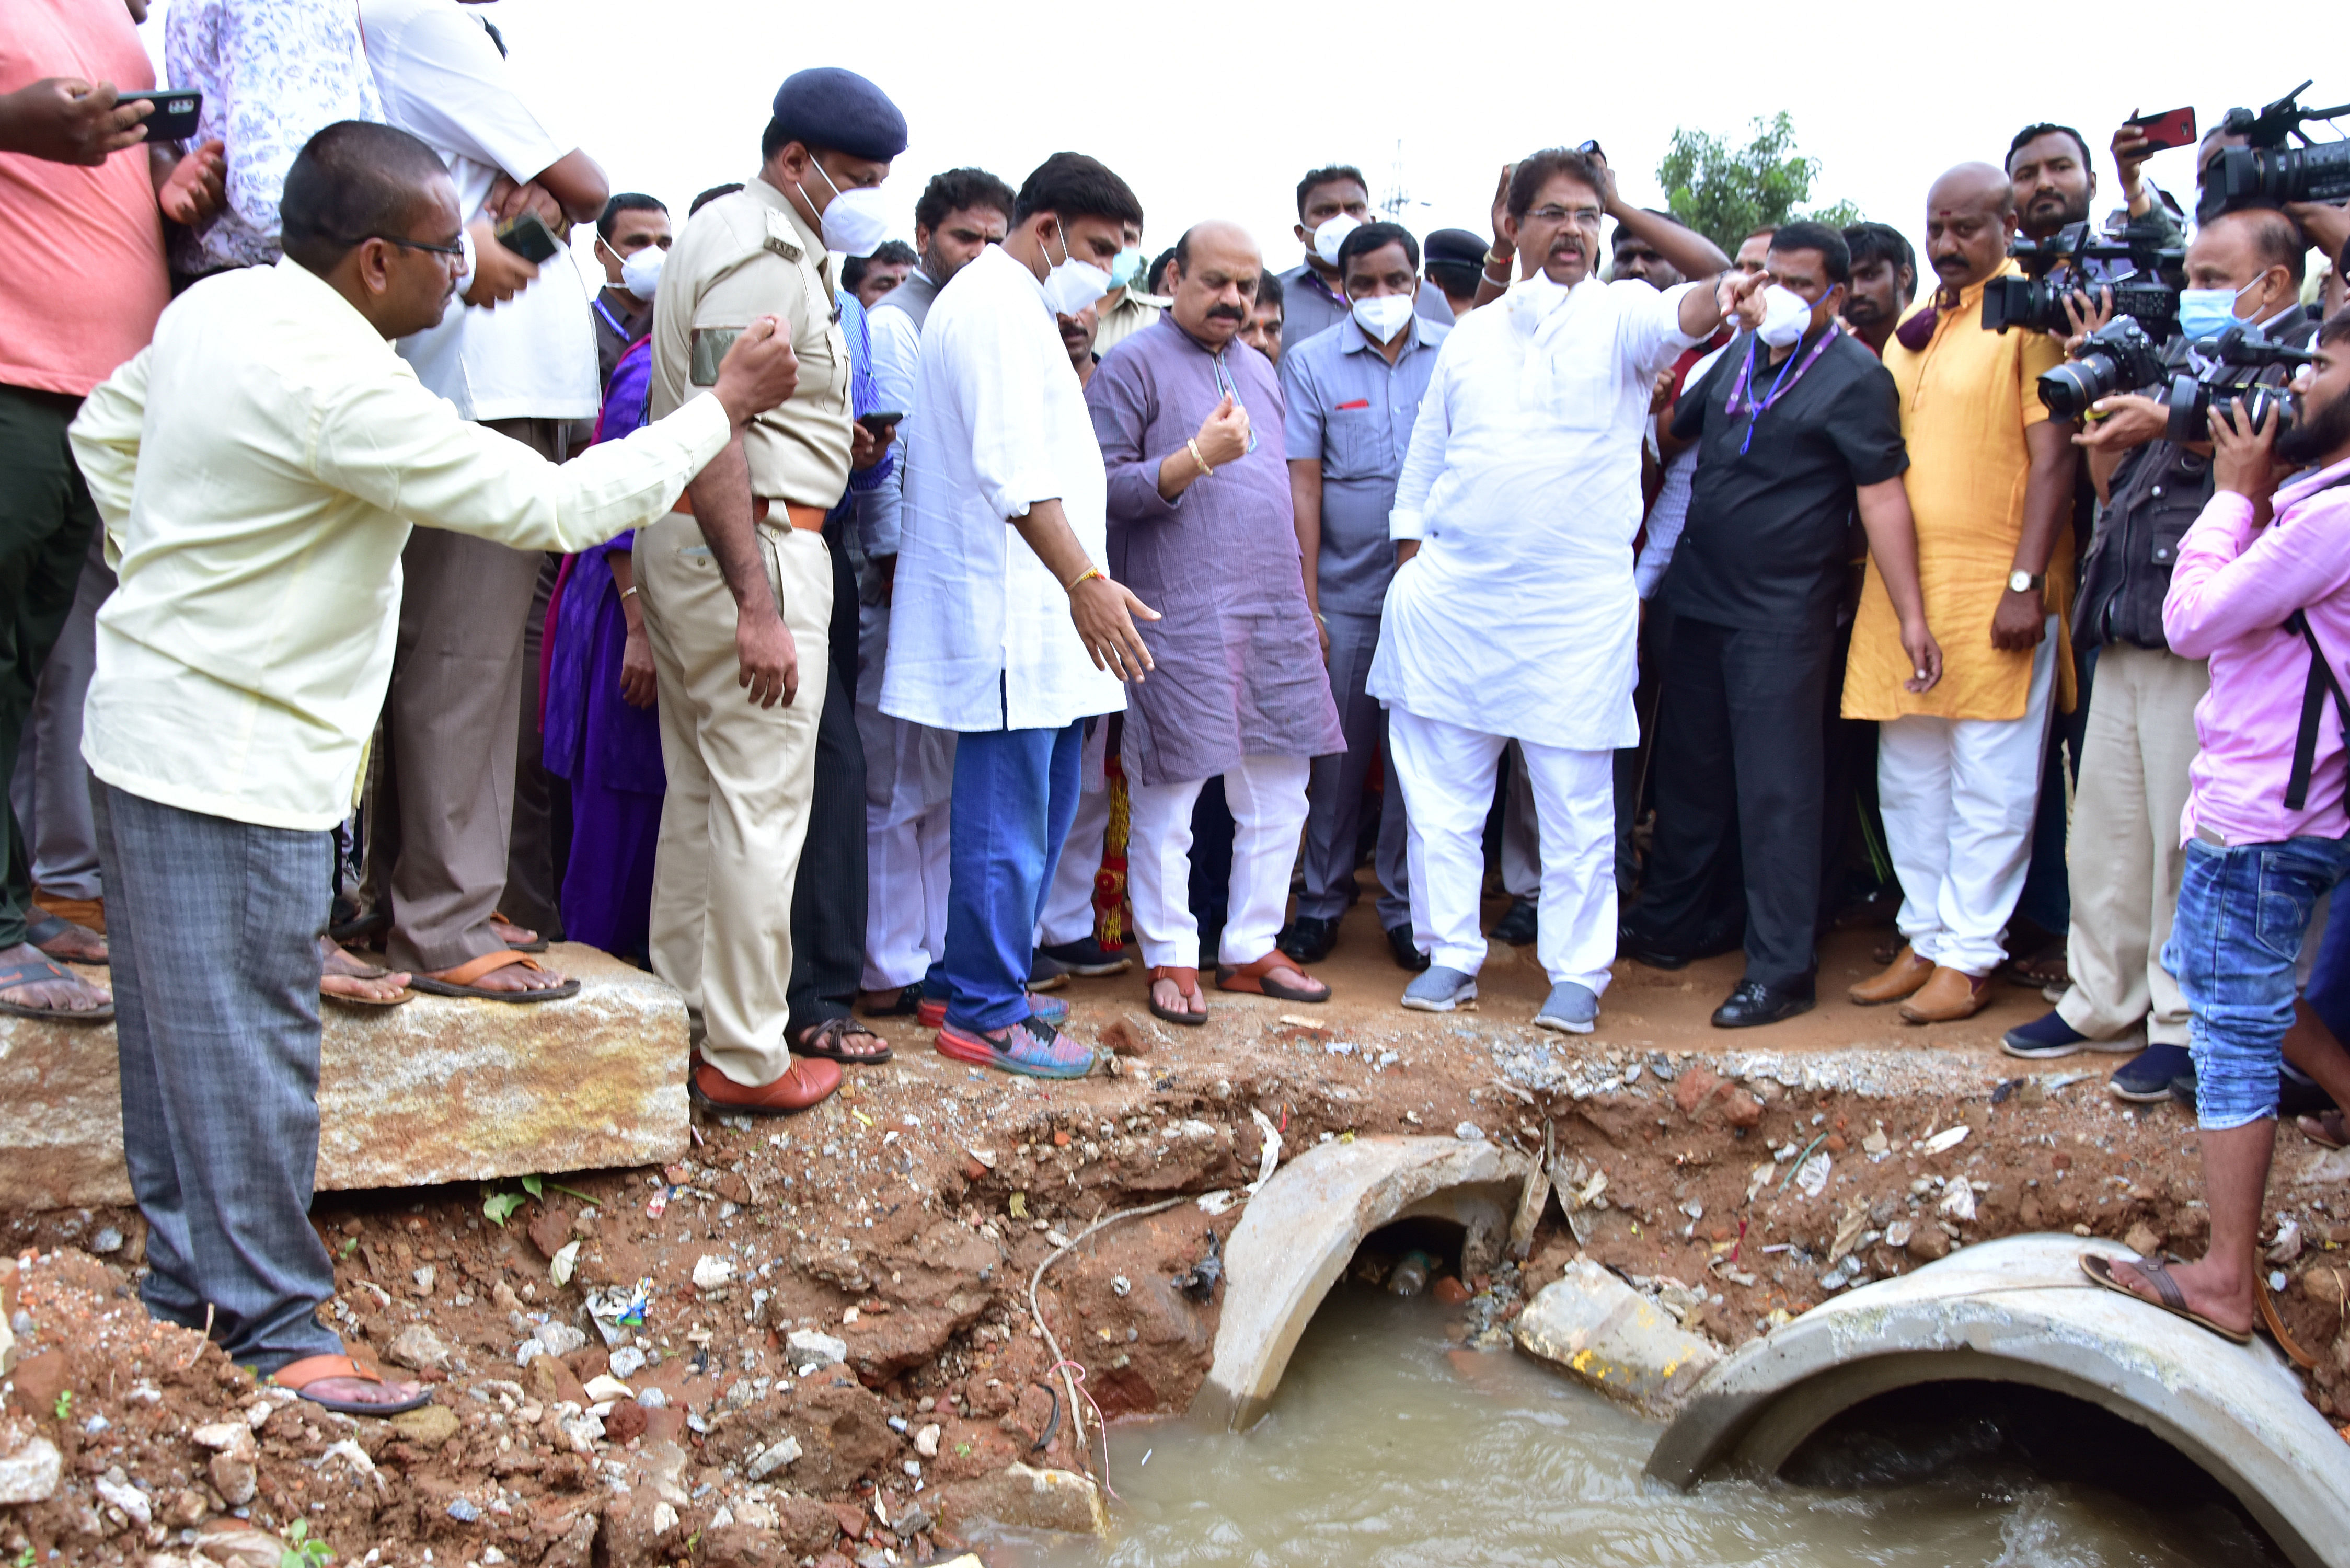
point(1990, 486)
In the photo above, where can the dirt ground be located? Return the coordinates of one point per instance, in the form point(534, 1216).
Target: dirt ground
point(1738, 1177)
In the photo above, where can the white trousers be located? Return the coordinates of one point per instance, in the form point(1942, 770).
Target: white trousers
point(1070, 902)
point(1447, 774)
point(908, 778)
point(1959, 797)
point(1267, 796)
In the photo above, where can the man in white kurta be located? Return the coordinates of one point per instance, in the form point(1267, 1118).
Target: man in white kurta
point(1005, 628)
point(1514, 616)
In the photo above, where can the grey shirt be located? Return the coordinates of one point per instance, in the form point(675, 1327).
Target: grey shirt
point(1353, 411)
point(1308, 308)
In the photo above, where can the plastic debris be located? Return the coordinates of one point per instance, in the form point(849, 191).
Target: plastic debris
point(1270, 1158)
point(1946, 1140)
point(559, 1267)
point(1198, 1281)
point(1411, 1275)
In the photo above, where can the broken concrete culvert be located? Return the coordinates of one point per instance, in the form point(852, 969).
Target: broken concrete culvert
point(2018, 1310)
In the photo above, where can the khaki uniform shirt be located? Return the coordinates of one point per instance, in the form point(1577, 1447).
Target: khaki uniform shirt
point(742, 256)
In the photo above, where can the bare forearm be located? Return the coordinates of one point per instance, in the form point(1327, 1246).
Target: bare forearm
point(1305, 506)
point(1046, 528)
point(624, 580)
point(1178, 471)
point(1892, 543)
point(2047, 493)
point(721, 506)
point(1692, 255)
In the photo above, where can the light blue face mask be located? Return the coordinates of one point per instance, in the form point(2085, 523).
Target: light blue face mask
point(2208, 312)
point(1125, 267)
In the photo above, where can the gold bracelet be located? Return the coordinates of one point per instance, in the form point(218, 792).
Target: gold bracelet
point(1205, 472)
point(1071, 585)
point(629, 593)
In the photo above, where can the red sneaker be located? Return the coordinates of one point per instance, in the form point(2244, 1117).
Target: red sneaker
point(809, 1082)
point(932, 1012)
point(1031, 1047)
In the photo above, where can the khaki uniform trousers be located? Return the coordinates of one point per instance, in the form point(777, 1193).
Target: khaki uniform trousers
point(2122, 853)
point(740, 777)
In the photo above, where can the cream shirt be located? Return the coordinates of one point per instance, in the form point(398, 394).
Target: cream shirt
point(980, 635)
point(258, 468)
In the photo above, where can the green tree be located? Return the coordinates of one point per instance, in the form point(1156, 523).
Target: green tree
point(1726, 193)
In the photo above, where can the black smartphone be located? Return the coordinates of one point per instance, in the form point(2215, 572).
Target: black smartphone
point(2171, 128)
point(879, 420)
point(528, 237)
point(177, 111)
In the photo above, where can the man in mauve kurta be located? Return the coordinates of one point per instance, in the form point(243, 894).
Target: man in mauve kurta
point(1201, 527)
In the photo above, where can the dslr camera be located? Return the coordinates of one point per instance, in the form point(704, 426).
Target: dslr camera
point(2147, 294)
point(2116, 357)
point(2268, 173)
point(2228, 383)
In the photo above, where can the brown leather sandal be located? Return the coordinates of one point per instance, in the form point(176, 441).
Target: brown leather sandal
point(825, 1042)
point(1262, 978)
point(300, 1374)
point(459, 982)
point(1187, 985)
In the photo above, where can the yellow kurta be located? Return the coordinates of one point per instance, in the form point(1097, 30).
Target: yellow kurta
point(1966, 402)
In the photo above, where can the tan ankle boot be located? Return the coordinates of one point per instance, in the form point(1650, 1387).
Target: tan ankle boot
point(1904, 975)
point(1949, 995)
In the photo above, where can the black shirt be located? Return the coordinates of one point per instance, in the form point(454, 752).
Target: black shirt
point(1764, 548)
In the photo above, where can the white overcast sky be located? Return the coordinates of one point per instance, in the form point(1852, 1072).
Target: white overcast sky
point(1215, 113)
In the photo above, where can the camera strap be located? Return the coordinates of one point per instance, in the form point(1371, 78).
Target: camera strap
point(2313, 707)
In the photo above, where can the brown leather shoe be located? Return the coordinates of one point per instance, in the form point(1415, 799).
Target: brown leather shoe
point(1904, 975)
point(810, 1082)
point(1949, 995)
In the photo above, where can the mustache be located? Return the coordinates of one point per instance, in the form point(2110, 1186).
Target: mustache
point(1227, 313)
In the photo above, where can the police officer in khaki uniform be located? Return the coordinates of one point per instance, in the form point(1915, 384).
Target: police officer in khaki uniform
point(737, 582)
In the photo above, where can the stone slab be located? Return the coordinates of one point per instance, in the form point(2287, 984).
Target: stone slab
point(440, 1090)
point(1301, 1229)
point(1597, 1329)
point(2019, 1310)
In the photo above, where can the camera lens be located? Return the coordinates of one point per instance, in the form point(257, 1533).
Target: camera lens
point(2068, 390)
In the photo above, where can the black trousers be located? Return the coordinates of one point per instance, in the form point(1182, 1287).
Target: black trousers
point(829, 900)
point(1739, 752)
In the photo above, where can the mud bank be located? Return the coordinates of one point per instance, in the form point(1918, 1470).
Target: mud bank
point(812, 1341)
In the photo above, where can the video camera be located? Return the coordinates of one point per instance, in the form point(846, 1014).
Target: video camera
point(2116, 357)
point(2191, 399)
point(2147, 292)
point(2268, 172)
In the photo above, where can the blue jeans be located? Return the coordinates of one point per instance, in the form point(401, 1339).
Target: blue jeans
point(1015, 792)
point(2243, 911)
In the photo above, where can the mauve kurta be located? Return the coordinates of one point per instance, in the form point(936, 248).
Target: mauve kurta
point(1238, 668)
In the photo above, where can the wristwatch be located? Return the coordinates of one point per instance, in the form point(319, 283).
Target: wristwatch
point(2020, 582)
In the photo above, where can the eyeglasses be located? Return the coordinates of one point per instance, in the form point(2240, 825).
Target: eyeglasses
point(457, 249)
point(1225, 388)
point(1581, 217)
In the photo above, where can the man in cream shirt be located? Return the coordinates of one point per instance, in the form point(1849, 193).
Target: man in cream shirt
point(258, 469)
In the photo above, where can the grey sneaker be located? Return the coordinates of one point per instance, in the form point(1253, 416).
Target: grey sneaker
point(1570, 1008)
point(1441, 990)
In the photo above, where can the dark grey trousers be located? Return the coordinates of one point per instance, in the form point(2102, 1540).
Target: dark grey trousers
point(213, 926)
point(1333, 790)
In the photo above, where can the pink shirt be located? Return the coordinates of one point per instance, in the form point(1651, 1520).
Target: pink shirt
point(86, 274)
point(2229, 594)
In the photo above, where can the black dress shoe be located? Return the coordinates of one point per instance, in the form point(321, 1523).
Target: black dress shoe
point(1754, 1003)
point(1630, 945)
point(1308, 939)
point(1520, 925)
point(1407, 955)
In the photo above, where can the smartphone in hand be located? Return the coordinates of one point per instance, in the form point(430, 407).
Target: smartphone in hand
point(177, 109)
point(2171, 128)
point(527, 235)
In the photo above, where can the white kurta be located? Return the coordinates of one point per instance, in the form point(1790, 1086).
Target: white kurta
point(1518, 615)
point(980, 635)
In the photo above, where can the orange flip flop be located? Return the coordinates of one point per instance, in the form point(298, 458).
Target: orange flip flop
point(1260, 977)
point(460, 982)
point(299, 1375)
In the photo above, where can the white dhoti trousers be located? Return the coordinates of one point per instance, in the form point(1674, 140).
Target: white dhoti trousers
point(1070, 902)
point(1959, 797)
point(1448, 774)
point(1267, 796)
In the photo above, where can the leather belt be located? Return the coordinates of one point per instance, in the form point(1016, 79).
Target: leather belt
point(808, 517)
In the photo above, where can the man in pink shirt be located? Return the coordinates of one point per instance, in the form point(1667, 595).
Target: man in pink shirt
point(82, 201)
point(2262, 589)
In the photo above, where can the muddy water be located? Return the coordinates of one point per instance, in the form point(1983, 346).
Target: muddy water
point(1388, 1446)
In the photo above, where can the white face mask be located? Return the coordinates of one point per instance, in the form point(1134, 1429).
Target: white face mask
point(1072, 285)
point(1785, 316)
point(857, 222)
point(641, 271)
point(1331, 236)
point(1383, 316)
